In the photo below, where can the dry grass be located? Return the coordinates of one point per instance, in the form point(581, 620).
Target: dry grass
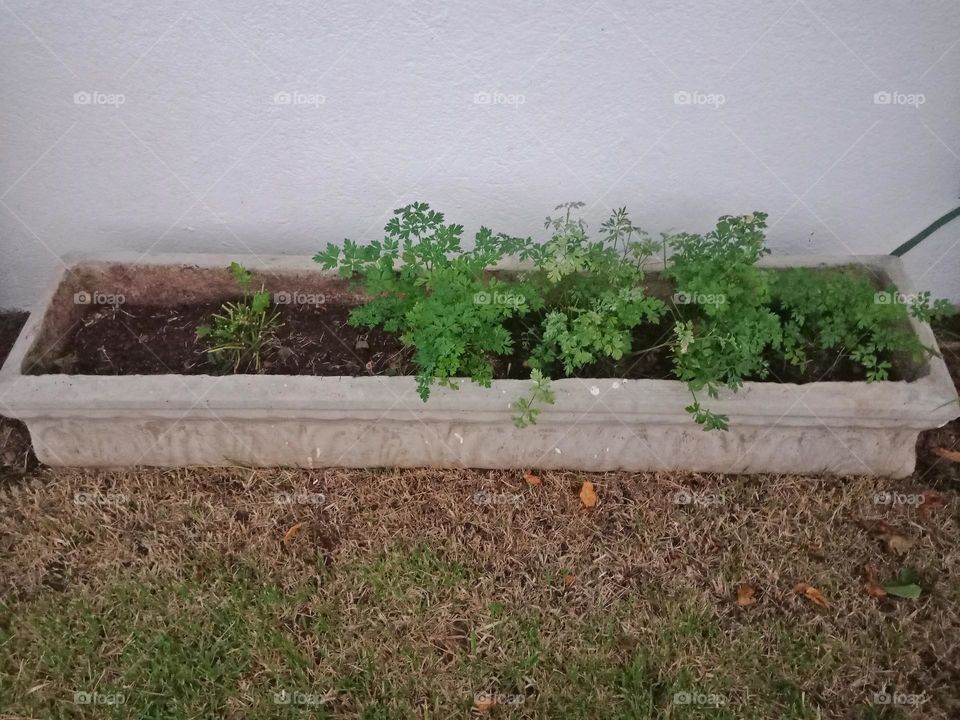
point(406, 593)
point(428, 596)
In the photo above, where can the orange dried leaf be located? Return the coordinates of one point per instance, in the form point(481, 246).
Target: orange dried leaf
point(533, 480)
point(811, 593)
point(953, 455)
point(569, 580)
point(872, 585)
point(745, 595)
point(931, 500)
point(484, 702)
point(588, 496)
point(292, 532)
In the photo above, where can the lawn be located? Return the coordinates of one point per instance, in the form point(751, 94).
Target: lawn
point(241, 593)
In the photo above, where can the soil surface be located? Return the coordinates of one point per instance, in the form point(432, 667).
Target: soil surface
point(152, 340)
point(312, 340)
point(10, 325)
point(318, 340)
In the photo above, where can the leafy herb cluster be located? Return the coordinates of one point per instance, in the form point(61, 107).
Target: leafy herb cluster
point(439, 298)
point(578, 304)
point(592, 290)
point(722, 342)
point(746, 315)
point(840, 311)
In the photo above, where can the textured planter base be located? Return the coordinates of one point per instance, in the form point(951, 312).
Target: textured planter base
point(602, 424)
point(595, 447)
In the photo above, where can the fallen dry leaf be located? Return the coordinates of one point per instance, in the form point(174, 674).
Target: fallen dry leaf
point(292, 532)
point(533, 480)
point(745, 595)
point(931, 500)
point(588, 496)
point(811, 593)
point(484, 702)
point(953, 455)
point(569, 580)
point(872, 585)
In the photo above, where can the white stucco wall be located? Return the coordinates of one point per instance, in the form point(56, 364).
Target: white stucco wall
point(582, 105)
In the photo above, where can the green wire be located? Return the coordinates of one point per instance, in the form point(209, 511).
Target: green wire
point(926, 232)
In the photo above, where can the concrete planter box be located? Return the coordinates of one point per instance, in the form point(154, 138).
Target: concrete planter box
point(307, 421)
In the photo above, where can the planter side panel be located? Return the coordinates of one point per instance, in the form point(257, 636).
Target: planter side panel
point(417, 442)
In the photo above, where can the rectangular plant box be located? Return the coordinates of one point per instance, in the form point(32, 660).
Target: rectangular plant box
point(309, 421)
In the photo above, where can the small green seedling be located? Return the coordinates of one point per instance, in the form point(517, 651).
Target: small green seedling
point(243, 332)
point(527, 411)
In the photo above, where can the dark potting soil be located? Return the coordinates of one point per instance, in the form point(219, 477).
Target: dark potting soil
point(312, 340)
point(153, 340)
point(317, 340)
point(11, 323)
